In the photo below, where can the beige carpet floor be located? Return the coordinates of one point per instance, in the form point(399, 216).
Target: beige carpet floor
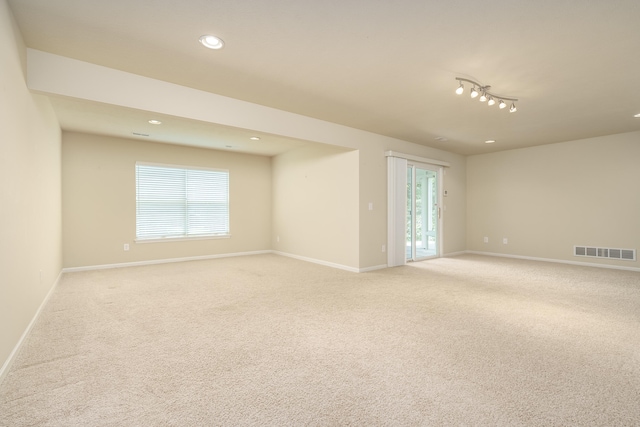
point(271, 341)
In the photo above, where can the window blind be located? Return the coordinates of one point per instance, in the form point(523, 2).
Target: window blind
point(174, 202)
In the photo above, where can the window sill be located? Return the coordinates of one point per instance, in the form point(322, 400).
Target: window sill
point(182, 239)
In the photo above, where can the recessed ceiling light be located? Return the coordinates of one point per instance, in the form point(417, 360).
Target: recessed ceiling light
point(490, 141)
point(155, 122)
point(637, 116)
point(212, 42)
point(254, 138)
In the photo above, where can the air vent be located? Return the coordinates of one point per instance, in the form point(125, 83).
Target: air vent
point(610, 253)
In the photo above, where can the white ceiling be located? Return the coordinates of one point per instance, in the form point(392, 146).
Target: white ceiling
point(103, 119)
point(384, 66)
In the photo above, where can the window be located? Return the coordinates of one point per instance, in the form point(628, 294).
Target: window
point(181, 202)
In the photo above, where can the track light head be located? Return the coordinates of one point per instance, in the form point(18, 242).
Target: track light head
point(485, 94)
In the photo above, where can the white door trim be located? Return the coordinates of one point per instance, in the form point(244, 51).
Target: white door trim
point(417, 158)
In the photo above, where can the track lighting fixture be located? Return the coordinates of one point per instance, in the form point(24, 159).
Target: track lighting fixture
point(485, 95)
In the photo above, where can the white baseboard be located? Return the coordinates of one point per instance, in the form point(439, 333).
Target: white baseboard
point(12, 356)
point(374, 268)
point(557, 261)
point(454, 254)
point(161, 261)
point(319, 261)
point(204, 257)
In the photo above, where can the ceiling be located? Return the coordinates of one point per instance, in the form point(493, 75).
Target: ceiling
point(103, 119)
point(383, 66)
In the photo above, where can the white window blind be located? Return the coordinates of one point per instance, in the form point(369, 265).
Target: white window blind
point(180, 202)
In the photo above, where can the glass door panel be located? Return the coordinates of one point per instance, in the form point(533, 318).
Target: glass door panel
point(423, 213)
point(410, 223)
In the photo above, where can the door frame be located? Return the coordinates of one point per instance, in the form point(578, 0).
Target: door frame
point(397, 202)
point(438, 170)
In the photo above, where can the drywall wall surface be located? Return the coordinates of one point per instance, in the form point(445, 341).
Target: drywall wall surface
point(99, 200)
point(547, 199)
point(30, 221)
point(316, 204)
point(54, 74)
point(373, 189)
point(367, 179)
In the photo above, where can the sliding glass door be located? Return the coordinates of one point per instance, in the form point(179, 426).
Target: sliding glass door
point(423, 212)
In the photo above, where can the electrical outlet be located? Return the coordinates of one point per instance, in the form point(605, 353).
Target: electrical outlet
point(486, 240)
point(370, 206)
point(126, 246)
point(384, 248)
point(505, 240)
point(278, 239)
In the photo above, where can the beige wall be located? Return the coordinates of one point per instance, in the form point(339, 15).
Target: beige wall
point(99, 200)
point(373, 188)
point(63, 76)
point(315, 204)
point(328, 186)
point(30, 223)
point(366, 168)
point(547, 199)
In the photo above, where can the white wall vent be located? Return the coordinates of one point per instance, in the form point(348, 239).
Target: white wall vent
point(595, 252)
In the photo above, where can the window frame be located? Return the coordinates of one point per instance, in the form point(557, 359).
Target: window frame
point(183, 237)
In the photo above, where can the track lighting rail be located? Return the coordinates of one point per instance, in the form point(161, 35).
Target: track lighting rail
point(485, 95)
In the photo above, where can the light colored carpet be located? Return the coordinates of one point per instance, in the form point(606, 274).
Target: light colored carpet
point(268, 340)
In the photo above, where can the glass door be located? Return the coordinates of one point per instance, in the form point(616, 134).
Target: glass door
point(423, 212)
